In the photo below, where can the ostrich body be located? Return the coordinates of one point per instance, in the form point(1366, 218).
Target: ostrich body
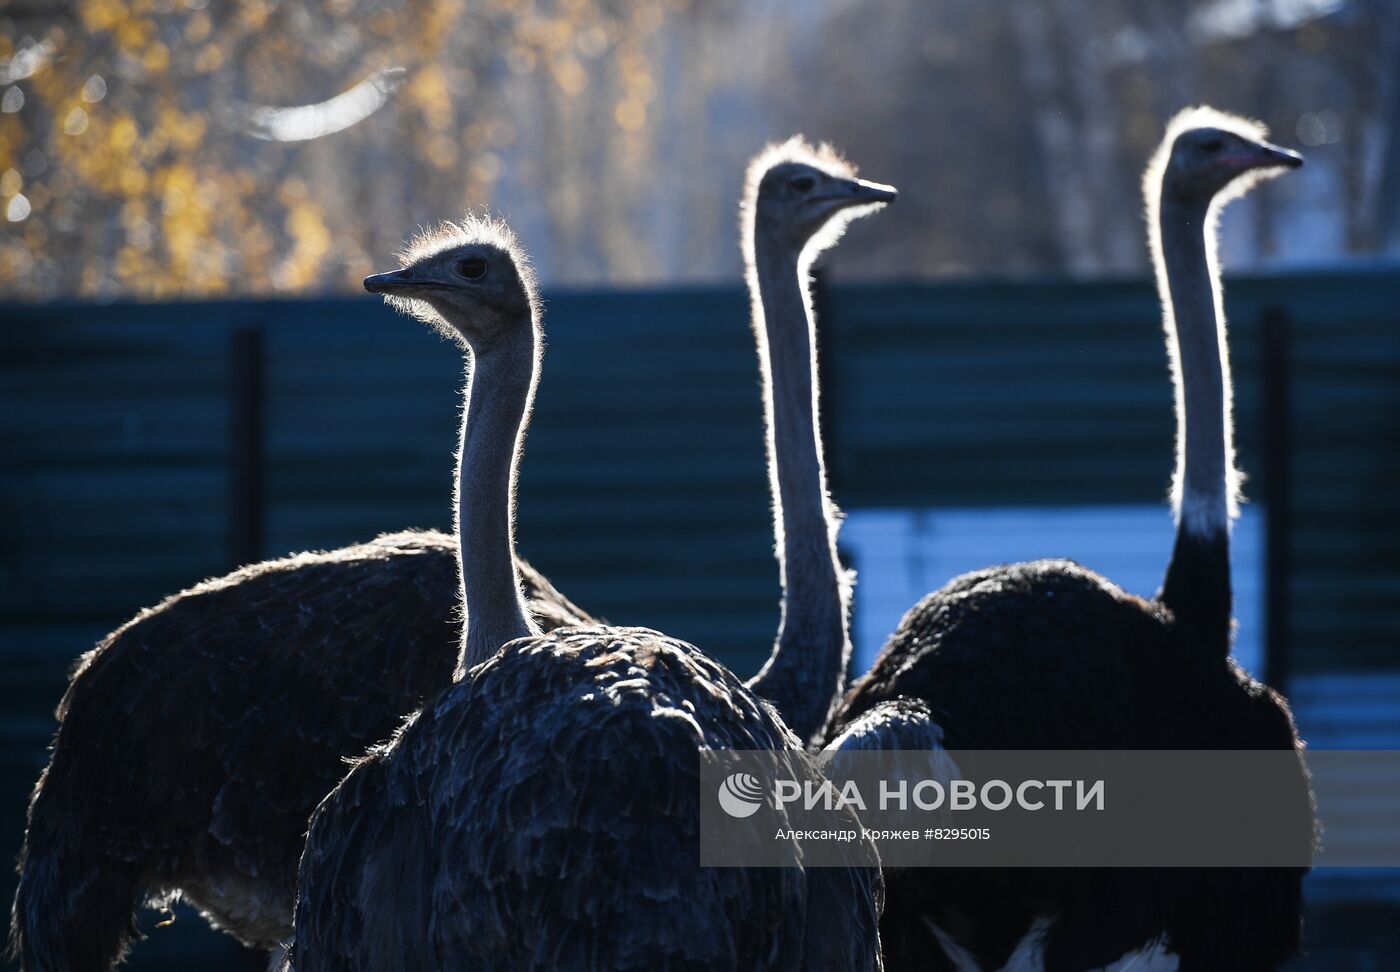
point(542, 812)
point(797, 202)
point(195, 740)
point(1049, 655)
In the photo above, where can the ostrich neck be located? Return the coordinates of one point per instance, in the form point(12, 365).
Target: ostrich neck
point(500, 388)
point(805, 673)
point(1197, 586)
point(1203, 471)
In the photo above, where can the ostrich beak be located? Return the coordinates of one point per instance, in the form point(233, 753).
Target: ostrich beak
point(1273, 156)
point(398, 282)
point(1262, 155)
point(863, 193)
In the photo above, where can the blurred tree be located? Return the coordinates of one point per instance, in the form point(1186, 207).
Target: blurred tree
point(162, 148)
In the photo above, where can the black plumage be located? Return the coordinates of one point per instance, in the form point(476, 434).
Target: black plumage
point(195, 740)
point(544, 814)
point(1084, 666)
point(1197, 588)
point(1049, 655)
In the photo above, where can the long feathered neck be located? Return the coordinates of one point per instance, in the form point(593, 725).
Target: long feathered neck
point(500, 390)
point(1197, 583)
point(805, 672)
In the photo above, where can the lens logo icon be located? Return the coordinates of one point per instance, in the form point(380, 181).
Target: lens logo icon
point(740, 795)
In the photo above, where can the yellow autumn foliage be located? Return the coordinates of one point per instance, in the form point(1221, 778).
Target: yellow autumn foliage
point(140, 136)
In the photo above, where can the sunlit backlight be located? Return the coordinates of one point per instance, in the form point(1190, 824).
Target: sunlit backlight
point(1319, 128)
point(592, 42)
point(18, 209)
point(327, 117)
point(27, 60)
point(1234, 19)
point(76, 122)
point(630, 114)
point(486, 167)
point(95, 89)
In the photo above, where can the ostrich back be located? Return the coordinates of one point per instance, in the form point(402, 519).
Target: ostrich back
point(195, 741)
point(1050, 655)
point(543, 814)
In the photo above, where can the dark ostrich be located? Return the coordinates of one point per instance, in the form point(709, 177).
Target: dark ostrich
point(543, 813)
point(195, 740)
point(242, 664)
point(1049, 655)
point(797, 202)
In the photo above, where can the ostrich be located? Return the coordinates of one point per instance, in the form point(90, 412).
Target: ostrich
point(195, 740)
point(797, 202)
point(242, 664)
point(542, 812)
point(1049, 655)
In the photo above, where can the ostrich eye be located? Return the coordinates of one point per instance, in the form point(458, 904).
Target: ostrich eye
point(1213, 144)
point(473, 268)
point(804, 183)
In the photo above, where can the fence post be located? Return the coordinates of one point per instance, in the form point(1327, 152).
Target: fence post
point(245, 461)
point(1277, 462)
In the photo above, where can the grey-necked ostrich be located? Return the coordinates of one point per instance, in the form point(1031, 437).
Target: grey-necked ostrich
point(1049, 655)
point(196, 739)
point(543, 812)
point(797, 202)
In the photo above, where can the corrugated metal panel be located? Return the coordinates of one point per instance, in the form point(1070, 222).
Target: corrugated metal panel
point(643, 494)
point(1058, 394)
point(643, 491)
point(112, 489)
point(903, 554)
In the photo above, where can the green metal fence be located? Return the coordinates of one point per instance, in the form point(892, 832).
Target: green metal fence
point(145, 447)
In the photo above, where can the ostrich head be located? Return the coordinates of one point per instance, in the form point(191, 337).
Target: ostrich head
point(1207, 152)
point(799, 195)
point(470, 280)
